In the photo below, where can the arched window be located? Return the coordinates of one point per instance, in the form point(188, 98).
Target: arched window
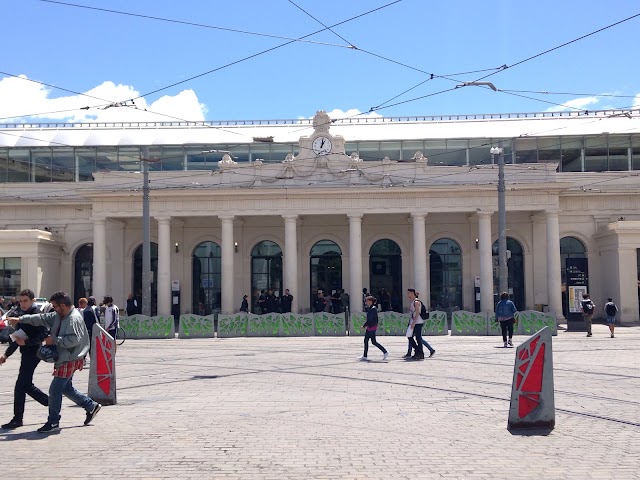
point(515, 274)
point(445, 273)
point(572, 248)
point(266, 271)
point(206, 278)
point(137, 275)
point(325, 265)
point(385, 274)
point(83, 273)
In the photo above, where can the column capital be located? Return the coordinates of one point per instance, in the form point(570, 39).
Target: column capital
point(551, 212)
point(163, 219)
point(355, 217)
point(419, 215)
point(484, 213)
point(290, 217)
point(226, 218)
point(96, 219)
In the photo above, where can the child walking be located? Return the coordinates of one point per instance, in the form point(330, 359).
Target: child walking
point(371, 325)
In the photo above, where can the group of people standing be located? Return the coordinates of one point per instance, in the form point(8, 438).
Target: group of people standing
point(64, 329)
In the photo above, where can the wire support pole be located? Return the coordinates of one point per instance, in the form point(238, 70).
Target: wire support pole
point(146, 235)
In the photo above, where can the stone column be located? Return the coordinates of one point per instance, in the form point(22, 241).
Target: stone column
point(420, 257)
point(486, 261)
point(99, 258)
point(228, 278)
point(164, 266)
point(291, 259)
point(355, 262)
point(554, 282)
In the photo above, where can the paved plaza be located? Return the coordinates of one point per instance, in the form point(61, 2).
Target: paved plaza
point(299, 408)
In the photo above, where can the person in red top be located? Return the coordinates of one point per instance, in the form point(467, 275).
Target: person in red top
point(372, 326)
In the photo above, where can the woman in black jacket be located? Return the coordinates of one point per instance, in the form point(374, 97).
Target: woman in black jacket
point(28, 349)
point(372, 326)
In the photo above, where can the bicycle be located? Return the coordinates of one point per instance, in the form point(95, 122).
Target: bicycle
point(121, 336)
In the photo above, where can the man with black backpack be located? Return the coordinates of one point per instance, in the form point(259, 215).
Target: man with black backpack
point(588, 308)
point(611, 309)
point(418, 314)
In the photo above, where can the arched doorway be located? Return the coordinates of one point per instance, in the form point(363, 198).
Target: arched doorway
point(266, 270)
point(515, 276)
point(206, 278)
point(325, 265)
point(445, 273)
point(137, 276)
point(385, 274)
point(83, 273)
point(572, 248)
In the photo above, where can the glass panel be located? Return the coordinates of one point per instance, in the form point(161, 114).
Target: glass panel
point(635, 152)
point(106, 159)
point(445, 265)
point(129, 159)
point(526, 150)
point(325, 246)
point(409, 149)
point(260, 151)
point(435, 151)
point(595, 154)
point(385, 247)
point(4, 161)
point(240, 153)
point(86, 159)
point(571, 154)
point(207, 278)
point(571, 245)
point(279, 151)
point(369, 151)
point(265, 249)
point(137, 275)
point(457, 152)
point(618, 152)
point(19, 165)
point(41, 164)
point(549, 149)
point(172, 158)
point(11, 275)
point(390, 149)
point(83, 273)
point(350, 147)
point(196, 160)
point(63, 165)
point(480, 151)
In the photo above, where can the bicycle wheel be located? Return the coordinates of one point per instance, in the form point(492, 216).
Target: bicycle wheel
point(121, 336)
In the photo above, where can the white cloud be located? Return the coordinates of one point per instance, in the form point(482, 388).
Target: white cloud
point(576, 103)
point(636, 101)
point(22, 100)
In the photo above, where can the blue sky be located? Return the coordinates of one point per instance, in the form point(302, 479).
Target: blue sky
point(117, 57)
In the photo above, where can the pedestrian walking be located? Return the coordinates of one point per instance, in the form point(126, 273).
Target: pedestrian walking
point(611, 309)
point(111, 316)
point(244, 306)
point(371, 326)
point(505, 314)
point(91, 316)
point(69, 335)
point(588, 307)
point(28, 338)
point(415, 309)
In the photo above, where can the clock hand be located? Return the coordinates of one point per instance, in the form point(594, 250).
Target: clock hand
point(322, 143)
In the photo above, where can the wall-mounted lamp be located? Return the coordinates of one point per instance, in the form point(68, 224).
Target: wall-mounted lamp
point(476, 243)
point(235, 247)
point(177, 248)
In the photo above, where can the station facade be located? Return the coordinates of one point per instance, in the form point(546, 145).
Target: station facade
point(327, 204)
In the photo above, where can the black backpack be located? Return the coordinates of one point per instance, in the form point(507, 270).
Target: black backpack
point(587, 307)
point(424, 314)
point(610, 310)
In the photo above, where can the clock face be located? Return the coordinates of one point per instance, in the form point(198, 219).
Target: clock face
point(321, 145)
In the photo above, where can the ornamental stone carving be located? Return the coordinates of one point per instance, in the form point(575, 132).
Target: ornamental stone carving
point(321, 121)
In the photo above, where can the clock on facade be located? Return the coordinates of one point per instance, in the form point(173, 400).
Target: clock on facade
point(321, 145)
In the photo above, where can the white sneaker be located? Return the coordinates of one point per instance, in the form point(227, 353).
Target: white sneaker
point(505, 344)
point(363, 358)
point(510, 343)
point(386, 355)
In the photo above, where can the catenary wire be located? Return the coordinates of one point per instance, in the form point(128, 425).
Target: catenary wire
point(191, 24)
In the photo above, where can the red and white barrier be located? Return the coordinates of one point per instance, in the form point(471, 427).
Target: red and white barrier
point(102, 375)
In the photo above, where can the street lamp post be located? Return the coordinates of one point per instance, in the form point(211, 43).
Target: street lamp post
point(502, 220)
